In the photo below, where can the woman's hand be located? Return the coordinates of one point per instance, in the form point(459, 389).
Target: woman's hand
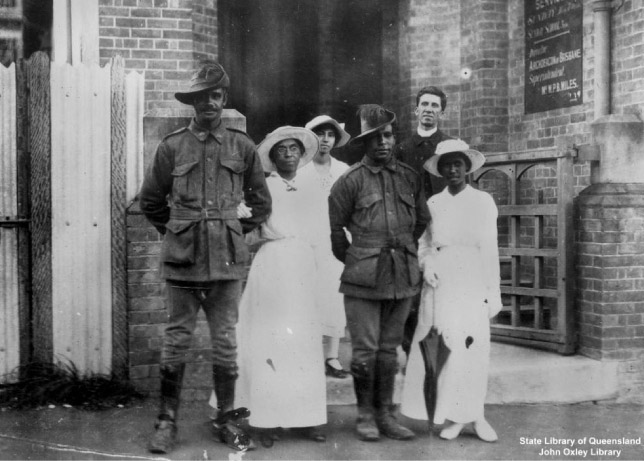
point(493, 303)
point(429, 271)
point(243, 211)
point(430, 278)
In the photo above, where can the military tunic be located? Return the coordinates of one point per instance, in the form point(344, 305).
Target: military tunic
point(191, 192)
point(384, 210)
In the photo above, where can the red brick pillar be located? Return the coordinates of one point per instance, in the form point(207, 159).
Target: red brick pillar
point(610, 255)
point(484, 74)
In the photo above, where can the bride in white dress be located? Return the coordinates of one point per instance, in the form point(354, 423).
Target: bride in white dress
point(460, 260)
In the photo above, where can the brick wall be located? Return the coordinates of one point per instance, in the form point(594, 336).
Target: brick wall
point(162, 38)
point(204, 27)
point(627, 76)
point(484, 112)
point(146, 314)
point(610, 252)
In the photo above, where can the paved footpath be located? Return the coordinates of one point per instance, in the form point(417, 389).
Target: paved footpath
point(525, 432)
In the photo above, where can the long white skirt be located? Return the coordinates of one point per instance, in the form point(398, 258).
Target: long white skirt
point(457, 305)
point(281, 369)
point(329, 300)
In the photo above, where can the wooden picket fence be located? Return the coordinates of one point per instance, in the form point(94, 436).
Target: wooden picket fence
point(79, 132)
point(9, 278)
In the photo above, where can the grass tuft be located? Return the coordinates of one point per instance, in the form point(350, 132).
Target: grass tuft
point(41, 384)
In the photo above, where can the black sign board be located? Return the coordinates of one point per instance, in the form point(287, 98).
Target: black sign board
point(553, 54)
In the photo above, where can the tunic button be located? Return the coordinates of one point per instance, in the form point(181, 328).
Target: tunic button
point(392, 251)
point(209, 202)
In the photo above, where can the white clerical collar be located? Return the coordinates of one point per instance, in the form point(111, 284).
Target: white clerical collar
point(426, 133)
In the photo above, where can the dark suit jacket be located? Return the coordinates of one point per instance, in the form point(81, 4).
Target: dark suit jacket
point(415, 151)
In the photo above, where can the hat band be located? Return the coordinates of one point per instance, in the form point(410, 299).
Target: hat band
point(199, 84)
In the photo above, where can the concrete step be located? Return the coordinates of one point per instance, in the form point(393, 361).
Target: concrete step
point(517, 375)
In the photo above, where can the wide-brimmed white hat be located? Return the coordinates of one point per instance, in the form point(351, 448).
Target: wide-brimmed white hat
point(326, 120)
point(454, 145)
point(304, 135)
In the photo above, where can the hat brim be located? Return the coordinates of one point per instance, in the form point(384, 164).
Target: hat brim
point(476, 158)
point(187, 97)
point(326, 120)
point(370, 132)
point(304, 135)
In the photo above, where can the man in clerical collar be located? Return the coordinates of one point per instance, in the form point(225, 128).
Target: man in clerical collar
point(415, 151)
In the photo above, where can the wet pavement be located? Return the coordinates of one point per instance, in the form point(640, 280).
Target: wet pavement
point(539, 432)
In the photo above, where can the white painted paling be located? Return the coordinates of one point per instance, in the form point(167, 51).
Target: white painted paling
point(9, 311)
point(75, 31)
point(134, 90)
point(81, 239)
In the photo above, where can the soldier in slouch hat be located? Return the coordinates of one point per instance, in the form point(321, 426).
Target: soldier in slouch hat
point(203, 191)
point(380, 202)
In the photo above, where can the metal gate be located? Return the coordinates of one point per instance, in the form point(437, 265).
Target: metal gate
point(534, 190)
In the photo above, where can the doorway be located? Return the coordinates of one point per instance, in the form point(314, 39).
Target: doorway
point(290, 60)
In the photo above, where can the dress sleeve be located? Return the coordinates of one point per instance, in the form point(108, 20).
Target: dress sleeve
point(256, 194)
point(426, 260)
point(490, 255)
point(426, 248)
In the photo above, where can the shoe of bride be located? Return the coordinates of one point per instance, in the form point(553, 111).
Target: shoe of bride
point(484, 431)
point(452, 431)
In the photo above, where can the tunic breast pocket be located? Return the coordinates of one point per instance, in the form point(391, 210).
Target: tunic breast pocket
point(231, 178)
point(409, 207)
point(369, 210)
point(185, 183)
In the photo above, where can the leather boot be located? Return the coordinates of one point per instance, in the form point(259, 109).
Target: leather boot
point(385, 381)
point(363, 374)
point(165, 434)
point(227, 425)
